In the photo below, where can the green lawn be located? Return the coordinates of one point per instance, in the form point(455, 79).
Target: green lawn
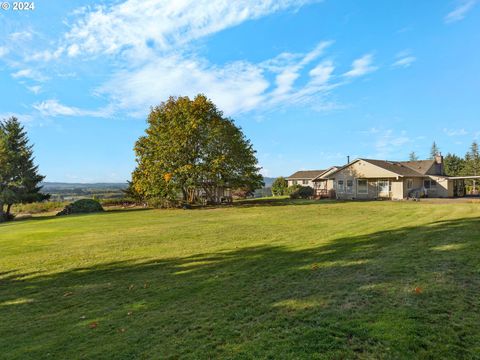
point(284, 280)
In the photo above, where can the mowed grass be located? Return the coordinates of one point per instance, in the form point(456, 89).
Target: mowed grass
point(300, 280)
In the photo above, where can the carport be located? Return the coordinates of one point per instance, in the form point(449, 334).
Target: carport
point(459, 184)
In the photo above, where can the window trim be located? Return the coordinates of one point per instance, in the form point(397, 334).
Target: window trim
point(409, 184)
point(366, 187)
point(341, 188)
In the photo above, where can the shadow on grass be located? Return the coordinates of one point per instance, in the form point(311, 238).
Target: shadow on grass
point(407, 293)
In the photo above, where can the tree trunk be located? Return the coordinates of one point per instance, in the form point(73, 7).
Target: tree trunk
point(9, 206)
point(3, 216)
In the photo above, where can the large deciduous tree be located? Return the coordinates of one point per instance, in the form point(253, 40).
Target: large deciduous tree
point(189, 145)
point(19, 178)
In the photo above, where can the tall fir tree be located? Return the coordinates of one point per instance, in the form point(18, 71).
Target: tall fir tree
point(19, 177)
point(413, 156)
point(472, 164)
point(434, 150)
point(454, 165)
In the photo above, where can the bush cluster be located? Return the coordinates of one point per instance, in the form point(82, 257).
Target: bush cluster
point(81, 207)
point(301, 192)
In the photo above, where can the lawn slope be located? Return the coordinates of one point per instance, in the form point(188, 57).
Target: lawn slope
point(305, 280)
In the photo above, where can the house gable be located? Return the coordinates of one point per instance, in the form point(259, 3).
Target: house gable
point(362, 168)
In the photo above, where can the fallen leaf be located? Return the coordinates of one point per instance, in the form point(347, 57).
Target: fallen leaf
point(122, 330)
point(131, 287)
point(130, 313)
point(83, 317)
point(93, 325)
point(68, 293)
point(418, 290)
point(314, 266)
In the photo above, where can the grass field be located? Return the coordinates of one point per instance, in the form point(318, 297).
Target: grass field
point(278, 280)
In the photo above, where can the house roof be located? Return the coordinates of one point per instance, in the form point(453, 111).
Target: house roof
point(396, 167)
point(400, 168)
point(324, 174)
point(305, 174)
point(421, 166)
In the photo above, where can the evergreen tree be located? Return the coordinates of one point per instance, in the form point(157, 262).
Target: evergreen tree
point(472, 163)
point(19, 178)
point(454, 165)
point(434, 150)
point(412, 156)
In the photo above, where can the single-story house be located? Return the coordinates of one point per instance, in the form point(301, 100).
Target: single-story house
point(374, 179)
point(304, 177)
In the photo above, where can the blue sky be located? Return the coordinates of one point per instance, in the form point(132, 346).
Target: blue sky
point(310, 82)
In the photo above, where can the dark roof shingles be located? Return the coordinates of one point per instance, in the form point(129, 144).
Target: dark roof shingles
point(306, 174)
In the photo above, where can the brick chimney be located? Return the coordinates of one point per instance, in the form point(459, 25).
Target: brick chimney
point(439, 164)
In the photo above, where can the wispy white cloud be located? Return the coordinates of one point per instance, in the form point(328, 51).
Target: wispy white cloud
point(460, 11)
point(52, 108)
point(140, 25)
point(236, 87)
point(388, 143)
point(361, 66)
point(455, 132)
point(3, 51)
point(404, 59)
point(36, 89)
point(29, 73)
point(20, 36)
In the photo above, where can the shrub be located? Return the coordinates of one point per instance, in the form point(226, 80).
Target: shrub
point(81, 207)
point(304, 192)
point(279, 186)
point(242, 193)
point(291, 189)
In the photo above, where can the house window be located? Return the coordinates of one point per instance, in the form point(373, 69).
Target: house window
point(362, 186)
point(349, 186)
point(305, 182)
point(295, 182)
point(409, 184)
point(433, 183)
point(384, 186)
point(426, 184)
point(340, 185)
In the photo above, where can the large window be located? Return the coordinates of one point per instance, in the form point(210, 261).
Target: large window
point(305, 182)
point(427, 184)
point(409, 184)
point(384, 186)
point(349, 188)
point(362, 186)
point(340, 186)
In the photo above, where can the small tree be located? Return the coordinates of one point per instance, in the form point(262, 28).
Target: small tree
point(19, 178)
point(412, 156)
point(434, 150)
point(279, 186)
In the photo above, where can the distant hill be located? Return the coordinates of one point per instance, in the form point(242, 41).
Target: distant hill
point(51, 186)
point(268, 181)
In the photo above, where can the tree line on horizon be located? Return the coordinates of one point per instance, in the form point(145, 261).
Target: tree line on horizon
point(455, 165)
